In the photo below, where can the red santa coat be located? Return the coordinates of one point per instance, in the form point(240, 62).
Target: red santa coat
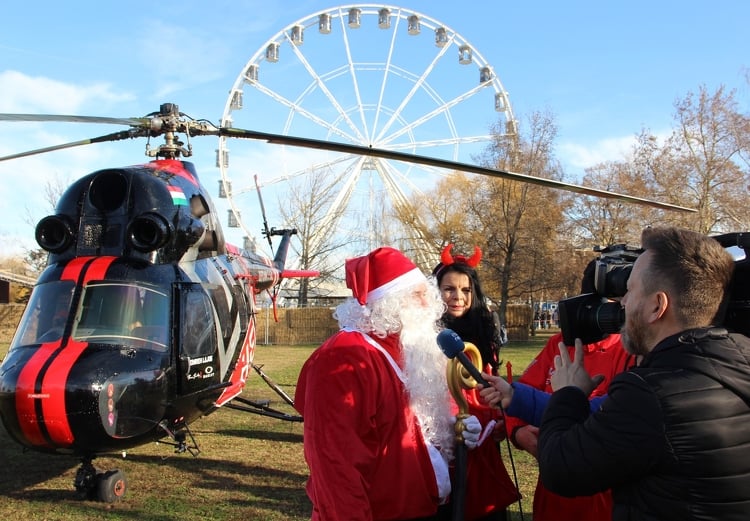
point(607, 358)
point(367, 457)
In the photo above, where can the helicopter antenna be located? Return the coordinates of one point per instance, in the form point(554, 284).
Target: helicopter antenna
point(266, 230)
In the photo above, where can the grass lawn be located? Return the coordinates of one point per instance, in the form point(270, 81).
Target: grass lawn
point(250, 467)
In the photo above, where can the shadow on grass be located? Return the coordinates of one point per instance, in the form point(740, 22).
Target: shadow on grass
point(162, 489)
point(241, 473)
point(257, 434)
point(23, 468)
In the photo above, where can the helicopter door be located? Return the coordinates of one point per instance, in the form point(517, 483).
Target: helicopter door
point(198, 359)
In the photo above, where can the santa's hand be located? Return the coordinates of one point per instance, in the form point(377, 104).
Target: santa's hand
point(472, 431)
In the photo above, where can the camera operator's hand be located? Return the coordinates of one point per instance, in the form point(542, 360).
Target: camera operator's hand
point(527, 437)
point(499, 391)
point(573, 373)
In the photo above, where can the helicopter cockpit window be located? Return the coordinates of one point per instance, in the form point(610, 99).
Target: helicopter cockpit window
point(46, 314)
point(123, 314)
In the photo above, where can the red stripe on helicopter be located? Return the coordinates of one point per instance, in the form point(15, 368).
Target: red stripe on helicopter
point(56, 377)
point(292, 274)
point(58, 360)
point(73, 269)
point(53, 386)
point(26, 395)
point(172, 166)
point(242, 369)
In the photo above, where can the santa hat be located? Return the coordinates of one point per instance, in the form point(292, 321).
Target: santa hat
point(381, 271)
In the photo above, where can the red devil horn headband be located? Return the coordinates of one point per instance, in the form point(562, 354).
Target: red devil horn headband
point(446, 259)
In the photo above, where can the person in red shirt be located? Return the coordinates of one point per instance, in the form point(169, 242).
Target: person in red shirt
point(378, 429)
point(489, 488)
point(607, 358)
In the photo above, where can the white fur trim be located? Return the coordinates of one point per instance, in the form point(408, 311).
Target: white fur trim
point(408, 279)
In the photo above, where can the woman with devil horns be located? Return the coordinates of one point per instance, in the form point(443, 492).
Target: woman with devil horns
point(489, 489)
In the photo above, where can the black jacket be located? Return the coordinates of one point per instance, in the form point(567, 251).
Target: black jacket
point(672, 440)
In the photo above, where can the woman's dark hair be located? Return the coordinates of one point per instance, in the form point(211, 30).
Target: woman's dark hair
point(479, 325)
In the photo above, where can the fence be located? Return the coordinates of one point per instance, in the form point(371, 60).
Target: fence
point(295, 326)
point(10, 315)
point(313, 325)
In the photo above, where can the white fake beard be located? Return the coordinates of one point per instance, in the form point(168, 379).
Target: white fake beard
point(424, 376)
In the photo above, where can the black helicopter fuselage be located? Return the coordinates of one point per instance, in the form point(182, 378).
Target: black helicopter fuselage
point(142, 321)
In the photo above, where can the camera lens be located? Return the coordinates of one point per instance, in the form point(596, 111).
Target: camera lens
point(617, 280)
point(588, 318)
point(609, 317)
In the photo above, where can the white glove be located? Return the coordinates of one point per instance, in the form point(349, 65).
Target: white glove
point(471, 432)
point(486, 431)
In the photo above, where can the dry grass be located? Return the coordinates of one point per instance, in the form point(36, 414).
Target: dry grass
point(250, 467)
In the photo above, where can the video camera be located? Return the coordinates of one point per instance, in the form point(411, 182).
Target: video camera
point(593, 316)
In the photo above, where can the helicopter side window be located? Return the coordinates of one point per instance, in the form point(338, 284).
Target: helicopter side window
point(198, 326)
point(45, 315)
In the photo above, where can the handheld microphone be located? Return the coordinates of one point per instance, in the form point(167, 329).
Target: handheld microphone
point(453, 347)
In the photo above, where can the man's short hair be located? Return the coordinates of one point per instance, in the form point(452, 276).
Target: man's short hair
point(694, 269)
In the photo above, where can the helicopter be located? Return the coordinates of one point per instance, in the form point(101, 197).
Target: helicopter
point(143, 320)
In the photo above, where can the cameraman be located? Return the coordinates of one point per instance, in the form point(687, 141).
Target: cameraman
point(672, 438)
point(606, 357)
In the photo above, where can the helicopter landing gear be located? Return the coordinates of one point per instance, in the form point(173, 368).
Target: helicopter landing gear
point(91, 483)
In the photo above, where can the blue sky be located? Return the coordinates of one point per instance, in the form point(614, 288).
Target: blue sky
point(604, 69)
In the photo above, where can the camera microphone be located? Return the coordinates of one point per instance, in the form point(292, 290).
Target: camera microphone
point(453, 347)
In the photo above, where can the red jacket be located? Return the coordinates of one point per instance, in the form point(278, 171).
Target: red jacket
point(607, 358)
point(366, 453)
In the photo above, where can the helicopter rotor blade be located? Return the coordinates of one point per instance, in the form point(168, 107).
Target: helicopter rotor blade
point(116, 136)
point(169, 120)
point(133, 122)
point(441, 163)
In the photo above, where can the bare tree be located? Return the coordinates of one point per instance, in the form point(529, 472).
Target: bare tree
point(520, 220)
point(597, 221)
point(309, 207)
point(36, 258)
point(441, 217)
point(701, 163)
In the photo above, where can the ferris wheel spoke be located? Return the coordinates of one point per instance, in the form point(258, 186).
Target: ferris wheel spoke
point(384, 81)
point(403, 179)
point(355, 84)
point(335, 211)
point(327, 92)
point(442, 109)
point(415, 88)
point(440, 142)
point(394, 188)
point(326, 165)
point(298, 109)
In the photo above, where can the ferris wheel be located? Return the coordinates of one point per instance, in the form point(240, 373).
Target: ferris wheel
point(372, 75)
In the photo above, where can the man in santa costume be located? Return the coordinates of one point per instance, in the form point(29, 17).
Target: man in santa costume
point(378, 430)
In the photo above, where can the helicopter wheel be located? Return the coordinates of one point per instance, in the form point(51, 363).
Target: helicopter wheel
point(92, 483)
point(111, 486)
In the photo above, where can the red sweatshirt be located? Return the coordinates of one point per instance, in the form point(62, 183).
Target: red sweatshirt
point(607, 358)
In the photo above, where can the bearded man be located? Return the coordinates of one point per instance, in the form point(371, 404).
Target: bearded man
point(672, 437)
point(378, 430)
